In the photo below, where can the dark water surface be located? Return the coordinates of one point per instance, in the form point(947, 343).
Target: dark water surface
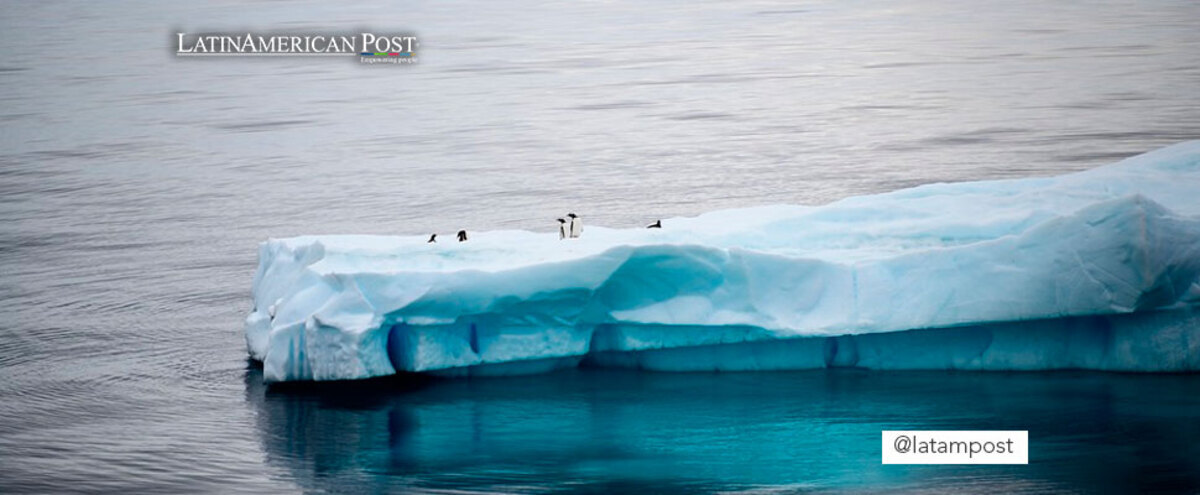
point(134, 188)
point(619, 431)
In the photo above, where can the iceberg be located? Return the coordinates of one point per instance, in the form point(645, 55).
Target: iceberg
point(1098, 269)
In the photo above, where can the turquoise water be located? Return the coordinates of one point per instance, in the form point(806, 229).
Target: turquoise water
point(797, 432)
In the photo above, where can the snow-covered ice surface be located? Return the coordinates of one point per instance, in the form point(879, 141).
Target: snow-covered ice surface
point(1098, 269)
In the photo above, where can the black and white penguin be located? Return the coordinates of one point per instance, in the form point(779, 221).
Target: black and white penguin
point(432, 239)
point(462, 235)
point(576, 225)
point(656, 225)
point(562, 229)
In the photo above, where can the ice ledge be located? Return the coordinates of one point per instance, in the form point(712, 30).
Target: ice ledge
point(1115, 240)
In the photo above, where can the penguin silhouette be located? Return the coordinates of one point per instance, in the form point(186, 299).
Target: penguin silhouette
point(432, 239)
point(462, 235)
point(656, 225)
point(576, 225)
point(562, 229)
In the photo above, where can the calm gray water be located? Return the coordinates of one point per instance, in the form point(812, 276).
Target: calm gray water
point(135, 186)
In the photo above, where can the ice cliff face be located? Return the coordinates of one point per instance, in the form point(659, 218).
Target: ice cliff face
point(1098, 269)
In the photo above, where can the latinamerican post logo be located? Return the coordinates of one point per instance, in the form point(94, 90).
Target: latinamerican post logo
point(369, 48)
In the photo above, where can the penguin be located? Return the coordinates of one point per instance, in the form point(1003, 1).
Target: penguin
point(656, 225)
point(576, 225)
point(562, 229)
point(432, 239)
point(462, 235)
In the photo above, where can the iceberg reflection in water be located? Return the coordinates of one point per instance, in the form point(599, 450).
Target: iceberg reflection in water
point(609, 430)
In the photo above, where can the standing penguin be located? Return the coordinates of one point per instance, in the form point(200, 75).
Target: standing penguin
point(576, 225)
point(656, 225)
point(462, 235)
point(562, 229)
point(432, 239)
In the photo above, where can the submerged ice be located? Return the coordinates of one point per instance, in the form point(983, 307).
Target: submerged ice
point(1097, 270)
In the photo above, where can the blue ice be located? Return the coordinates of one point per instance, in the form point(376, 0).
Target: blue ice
point(1093, 270)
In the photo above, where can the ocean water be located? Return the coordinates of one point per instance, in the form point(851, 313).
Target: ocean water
point(135, 186)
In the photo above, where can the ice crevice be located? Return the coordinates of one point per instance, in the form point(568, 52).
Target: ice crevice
point(1094, 270)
